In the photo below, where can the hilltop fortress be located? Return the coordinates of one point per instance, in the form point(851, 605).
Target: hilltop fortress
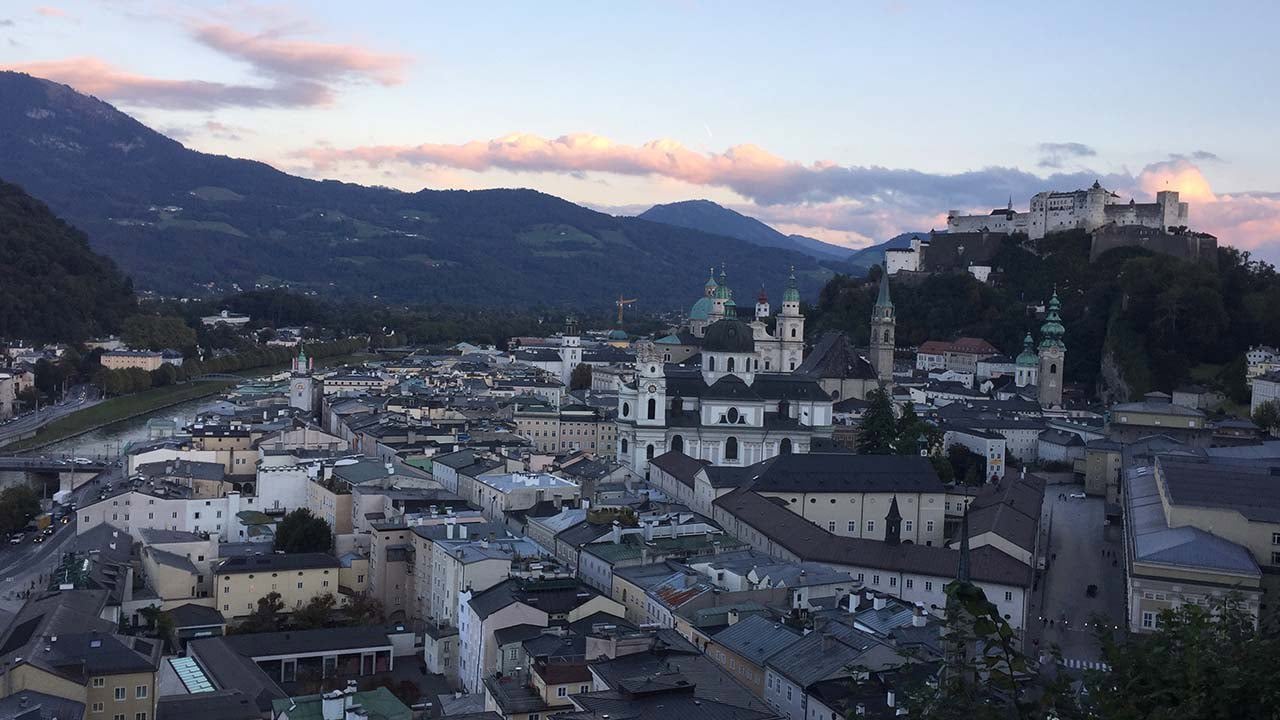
point(1085, 210)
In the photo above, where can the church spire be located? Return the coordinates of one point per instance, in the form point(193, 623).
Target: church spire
point(882, 300)
point(893, 524)
point(793, 292)
point(1052, 330)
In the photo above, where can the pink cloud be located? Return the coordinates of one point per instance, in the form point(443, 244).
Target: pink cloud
point(96, 77)
point(296, 73)
point(862, 202)
point(53, 12)
point(301, 59)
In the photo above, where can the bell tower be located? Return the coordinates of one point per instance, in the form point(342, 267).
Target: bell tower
point(1053, 353)
point(570, 349)
point(882, 331)
point(302, 386)
point(791, 326)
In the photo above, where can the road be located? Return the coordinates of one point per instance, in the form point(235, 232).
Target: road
point(31, 562)
point(1084, 551)
point(78, 397)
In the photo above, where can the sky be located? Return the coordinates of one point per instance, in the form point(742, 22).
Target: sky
point(850, 121)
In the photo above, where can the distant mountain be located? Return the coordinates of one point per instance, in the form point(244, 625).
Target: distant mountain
point(52, 286)
point(186, 222)
point(709, 217)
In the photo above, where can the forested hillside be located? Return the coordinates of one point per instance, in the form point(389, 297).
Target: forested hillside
point(1157, 320)
point(52, 286)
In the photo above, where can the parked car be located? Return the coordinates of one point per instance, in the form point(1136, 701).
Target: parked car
point(15, 539)
point(1077, 496)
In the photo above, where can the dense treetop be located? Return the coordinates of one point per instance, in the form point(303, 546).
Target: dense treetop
point(52, 286)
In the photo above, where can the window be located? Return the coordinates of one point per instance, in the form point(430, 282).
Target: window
point(928, 586)
point(785, 446)
point(140, 716)
point(299, 586)
point(118, 716)
point(97, 707)
point(711, 363)
point(928, 526)
point(623, 446)
point(1008, 596)
point(909, 583)
point(99, 682)
point(788, 693)
point(906, 525)
point(1148, 620)
point(120, 693)
point(1275, 558)
point(871, 526)
point(731, 449)
point(584, 688)
point(728, 365)
point(1275, 538)
point(626, 409)
point(562, 691)
point(875, 579)
point(140, 692)
point(831, 526)
point(893, 581)
point(853, 526)
point(653, 409)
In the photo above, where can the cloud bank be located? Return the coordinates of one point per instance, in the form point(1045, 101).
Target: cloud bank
point(866, 201)
point(296, 73)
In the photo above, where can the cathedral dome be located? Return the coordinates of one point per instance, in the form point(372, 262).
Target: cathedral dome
point(728, 336)
point(701, 309)
point(1028, 357)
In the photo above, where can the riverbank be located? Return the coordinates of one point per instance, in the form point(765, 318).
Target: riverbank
point(118, 409)
point(127, 407)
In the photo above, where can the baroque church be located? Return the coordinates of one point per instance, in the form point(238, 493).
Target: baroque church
point(736, 388)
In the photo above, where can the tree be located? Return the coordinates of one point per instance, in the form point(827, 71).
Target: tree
point(317, 613)
point(914, 434)
point(266, 617)
point(1267, 416)
point(1199, 663)
point(157, 332)
point(580, 378)
point(300, 532)
point(18, 505)
point(365, 610)
point(968, 468)
point(879, 429)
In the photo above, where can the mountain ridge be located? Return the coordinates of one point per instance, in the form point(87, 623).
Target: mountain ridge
point(184, 222)
point(714, 218)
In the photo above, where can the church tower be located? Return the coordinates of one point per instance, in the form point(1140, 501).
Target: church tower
point(762, 306)
point(791, 327)
point(570, 349)
point(302, 386)
point(722, 305)
point(882, 329)
point(893, 524)
point(1052, 354)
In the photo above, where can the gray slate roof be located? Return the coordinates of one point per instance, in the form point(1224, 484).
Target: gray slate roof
point(757, 638)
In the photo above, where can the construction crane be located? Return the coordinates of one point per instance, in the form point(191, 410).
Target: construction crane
point(622, 302)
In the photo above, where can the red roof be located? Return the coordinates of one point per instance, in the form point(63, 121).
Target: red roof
point(964, 346)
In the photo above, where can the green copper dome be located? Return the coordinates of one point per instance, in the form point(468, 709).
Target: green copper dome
point(711, 281)
point(1028, 357)
point(1051, 331)
point(793, 293)
point(701, 309)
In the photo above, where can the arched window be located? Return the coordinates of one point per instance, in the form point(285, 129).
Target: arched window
point(666, 357)
point(784, 408)
point(728, 365)
point(653, 408)
point(886, 336)
point(1053, 369)
point(648, 452)
point(792, 364)
point(793, 332)
point(784, 448)
point(711, 363)
point(626, 409)
point(731, 449)
point(624, 446)
point(677, 443)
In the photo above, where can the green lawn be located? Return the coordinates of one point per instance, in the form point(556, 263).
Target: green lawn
point(116, 409)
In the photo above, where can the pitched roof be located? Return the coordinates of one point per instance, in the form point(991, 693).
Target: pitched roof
point(678, 465)
point(756, 638)
point(833, 356)
point(844, 472)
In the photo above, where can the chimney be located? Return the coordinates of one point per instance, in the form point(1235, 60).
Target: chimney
point(648, 529)
point(616, 532)
point(853, 603)
point(879, 603)
point(449, 528)
point(869, 596)
point(890, 699)
point(917, 616)
point(462, 531)
point(331, 706)
point(349, 695)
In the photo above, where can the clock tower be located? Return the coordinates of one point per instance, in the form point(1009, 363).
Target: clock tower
point(302, 386)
